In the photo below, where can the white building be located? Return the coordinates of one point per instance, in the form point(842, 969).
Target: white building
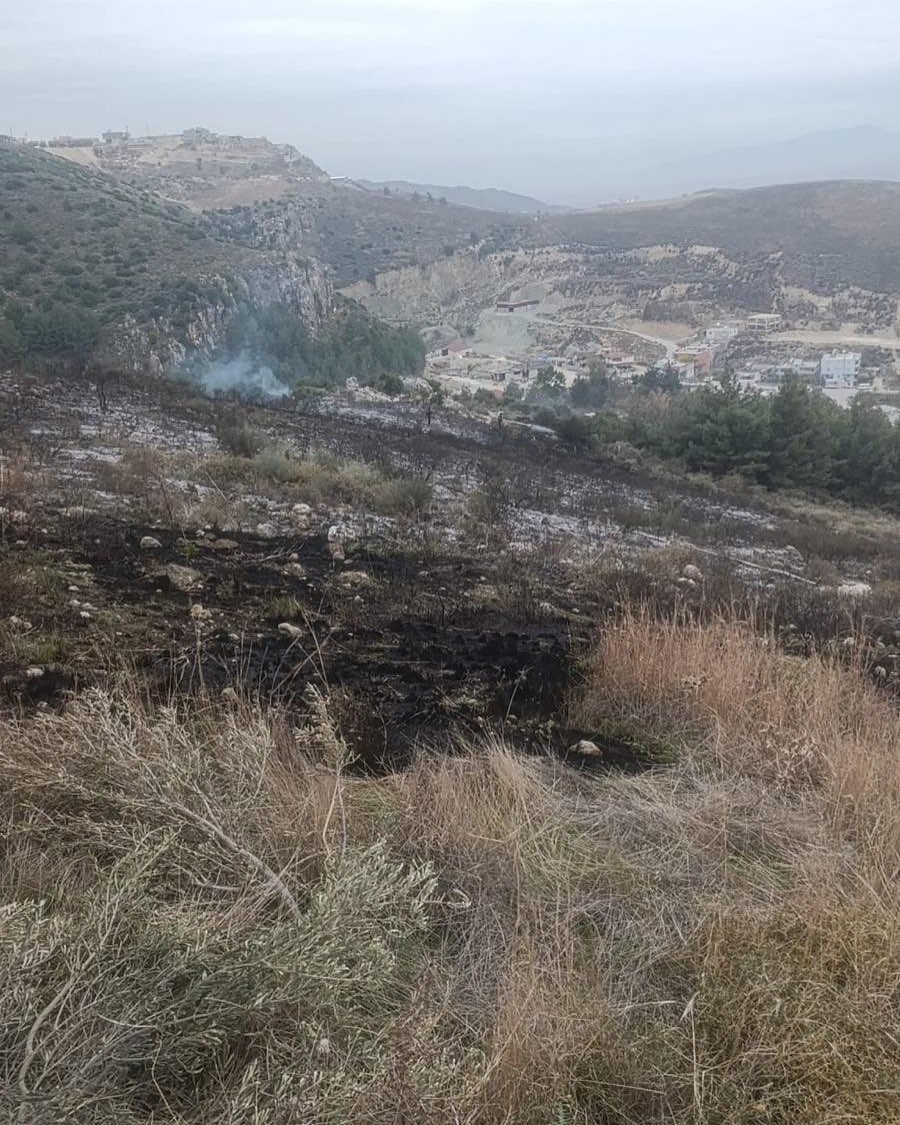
point(840, 369)
point(721, 335)
point(764, 322)
point(805, 368)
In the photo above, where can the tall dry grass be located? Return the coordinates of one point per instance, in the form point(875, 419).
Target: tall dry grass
point(207, 918)
point(809, 725)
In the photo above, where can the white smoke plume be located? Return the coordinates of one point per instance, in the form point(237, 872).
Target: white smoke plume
point(244, 375)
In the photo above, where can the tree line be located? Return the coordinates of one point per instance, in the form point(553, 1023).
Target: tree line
point(796, 438)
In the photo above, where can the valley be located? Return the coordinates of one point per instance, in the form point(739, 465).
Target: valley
point(449, 659)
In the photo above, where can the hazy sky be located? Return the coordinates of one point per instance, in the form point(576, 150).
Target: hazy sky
point(563, 99)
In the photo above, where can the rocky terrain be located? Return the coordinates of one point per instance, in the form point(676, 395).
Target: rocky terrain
point(350, 761)
point(828, 252)
point(94, 269)
point(366, 759)
point(198, 167)
point(353, 519)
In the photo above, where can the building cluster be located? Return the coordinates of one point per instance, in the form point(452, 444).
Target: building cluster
point(833, 371)
point(461, 366)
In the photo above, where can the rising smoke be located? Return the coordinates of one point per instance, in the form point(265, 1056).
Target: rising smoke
point(245, 376)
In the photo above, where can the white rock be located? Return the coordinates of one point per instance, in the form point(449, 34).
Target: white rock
point(149, 543)
point(335, 543)
point(357, 578)
point(693, 572)
point(587, 748)
point(288, 630)
point(184, 578)
point(34, 673)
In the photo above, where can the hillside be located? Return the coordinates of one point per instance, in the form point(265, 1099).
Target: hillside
point(101, 274)
point(358, 234)
point(387, 760)
point(352, 773)
point(272, 197)
point(198, 167)
point(814, 252)
point(822, 233)
point(485, 199)
point(95, 268)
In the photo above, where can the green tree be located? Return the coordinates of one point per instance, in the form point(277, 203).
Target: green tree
point(803, 428)
point(866, 468)
point(591, 392)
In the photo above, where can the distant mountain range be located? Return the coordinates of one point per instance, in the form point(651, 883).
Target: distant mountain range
point(859, 153)
point(482, 199)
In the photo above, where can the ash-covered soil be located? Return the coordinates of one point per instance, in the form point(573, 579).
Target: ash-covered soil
point(410, 648)
point(126, 545)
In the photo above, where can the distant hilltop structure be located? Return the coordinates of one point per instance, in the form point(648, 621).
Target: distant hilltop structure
point(195, 165)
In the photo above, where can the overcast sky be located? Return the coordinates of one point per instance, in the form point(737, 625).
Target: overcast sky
point(563, 99)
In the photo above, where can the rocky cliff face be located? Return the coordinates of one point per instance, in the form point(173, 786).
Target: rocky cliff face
point(159, 345)
point(98, 273)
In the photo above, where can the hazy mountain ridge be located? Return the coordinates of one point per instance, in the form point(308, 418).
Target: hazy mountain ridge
point(817, 234)
point(484, 199)
point(858, 153)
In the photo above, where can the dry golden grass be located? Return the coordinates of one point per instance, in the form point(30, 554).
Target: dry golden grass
point(207, 919)
point(736, 701)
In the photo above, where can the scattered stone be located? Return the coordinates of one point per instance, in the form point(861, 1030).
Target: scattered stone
point(19, 624)
point(295, 570)
point(335, 544)
point(34, 673)
point(150, 543)
point(74, 589)
point(288, 630)
point(184, 578)
point(267, 530)
point(355, 578)
point(223, 545)
point(693, 572)
point(586, 748)
point(85, 616)
point(199, 613)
